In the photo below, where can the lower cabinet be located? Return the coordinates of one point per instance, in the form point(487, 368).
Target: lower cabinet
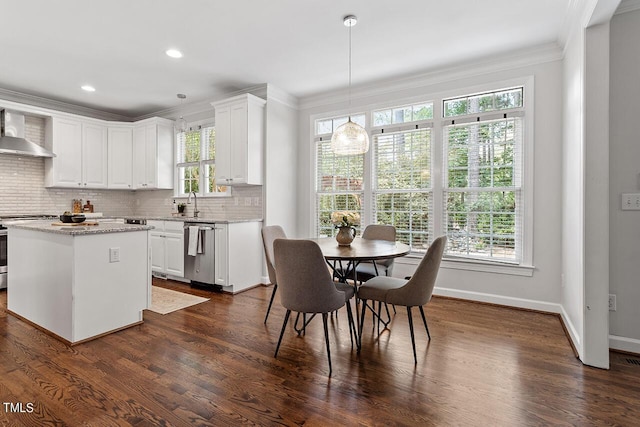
point(167, 248)
point(238, 258)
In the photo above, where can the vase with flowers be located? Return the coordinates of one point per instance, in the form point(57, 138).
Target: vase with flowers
point(345, 222)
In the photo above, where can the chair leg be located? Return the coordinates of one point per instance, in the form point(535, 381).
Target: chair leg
point(326, 339)
point(424, 320)
point(360, 326)
point(413, 339)
point(284, 326)
point(351, 327)
point(273, 294)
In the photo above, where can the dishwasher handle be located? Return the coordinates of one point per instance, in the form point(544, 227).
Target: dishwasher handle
point(203, 228)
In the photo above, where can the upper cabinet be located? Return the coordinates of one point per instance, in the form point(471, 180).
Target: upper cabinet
point(153, 154)
point(239, 140)
point(81, 154)
point(120, 157)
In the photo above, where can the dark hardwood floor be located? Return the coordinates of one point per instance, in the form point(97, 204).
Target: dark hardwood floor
point(213, 364)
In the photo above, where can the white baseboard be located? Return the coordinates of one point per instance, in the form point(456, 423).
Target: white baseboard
point(630, 345)
point(573, 334)
point(499, 299)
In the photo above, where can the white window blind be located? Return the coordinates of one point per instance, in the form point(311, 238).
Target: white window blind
point(339, 179)
point(402, 189)
point(483, 189)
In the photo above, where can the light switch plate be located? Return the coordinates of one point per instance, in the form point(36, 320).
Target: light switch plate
point(630, 202)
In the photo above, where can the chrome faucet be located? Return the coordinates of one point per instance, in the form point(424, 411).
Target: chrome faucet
point(195, 199)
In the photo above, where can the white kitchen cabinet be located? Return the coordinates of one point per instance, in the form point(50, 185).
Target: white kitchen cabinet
point(94, 155)
point(167, 248)
point(120, 149)
point(238, 255)
point(153, 154)
point(81, 154)
point(240, 137)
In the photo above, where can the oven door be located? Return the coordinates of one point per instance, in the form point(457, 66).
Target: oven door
point(3, 259)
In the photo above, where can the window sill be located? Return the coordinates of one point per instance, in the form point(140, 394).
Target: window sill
point(472, 265)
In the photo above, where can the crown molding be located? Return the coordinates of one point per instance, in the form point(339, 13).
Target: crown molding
point(522, 58)
point(59, 106)
point(628, 6)
point(203, 106)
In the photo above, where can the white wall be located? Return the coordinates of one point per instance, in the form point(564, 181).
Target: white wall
point(624, 161)
point(542, 289)
point(281, 167)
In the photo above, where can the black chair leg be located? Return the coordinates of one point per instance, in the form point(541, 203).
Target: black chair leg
point(413, 339)
point(273, 294)
point(326, 339)
point(284, 326)
point(360, 326)
point(352, 329)
point(424, 319)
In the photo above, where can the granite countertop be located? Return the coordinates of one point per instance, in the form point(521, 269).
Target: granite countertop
point(75, 230)
point(192, 219)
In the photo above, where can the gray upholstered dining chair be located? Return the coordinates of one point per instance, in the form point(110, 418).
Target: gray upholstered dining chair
point(414, 292)
point(369, 269)
point(269, 234)
point(306, 285)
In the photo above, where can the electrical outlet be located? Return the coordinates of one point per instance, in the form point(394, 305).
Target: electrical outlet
point(612, 302)
point(114, 254)
point(247, 201)
point(256, 201)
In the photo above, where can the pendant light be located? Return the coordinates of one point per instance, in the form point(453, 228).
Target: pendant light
point(350, 138)
point(181, 123)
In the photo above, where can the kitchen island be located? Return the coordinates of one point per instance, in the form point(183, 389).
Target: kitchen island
point(78, 282)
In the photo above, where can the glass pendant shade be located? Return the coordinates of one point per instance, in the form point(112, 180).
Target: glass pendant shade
point(350, 139)
point(181, 125)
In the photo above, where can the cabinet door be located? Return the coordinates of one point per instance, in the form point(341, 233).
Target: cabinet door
point(139, 156)
point(94, 156)
point(239, 155)
point(67, 144)
point(175, 253)
point(221, 257)
point(151, 156)
point(157, 252)
point(120, 157)
point(223, 145)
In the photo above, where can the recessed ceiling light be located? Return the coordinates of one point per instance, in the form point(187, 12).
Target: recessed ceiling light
point(174, 53)
point(88, 88)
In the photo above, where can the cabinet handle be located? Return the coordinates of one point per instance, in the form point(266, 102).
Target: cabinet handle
point(79, 183)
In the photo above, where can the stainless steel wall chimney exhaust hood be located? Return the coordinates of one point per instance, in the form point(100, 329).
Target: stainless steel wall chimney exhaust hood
point(12, 139)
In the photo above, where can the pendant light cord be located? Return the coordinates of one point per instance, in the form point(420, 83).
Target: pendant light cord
point(350, 71)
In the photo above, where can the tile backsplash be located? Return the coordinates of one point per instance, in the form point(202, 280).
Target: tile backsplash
point(23, 192)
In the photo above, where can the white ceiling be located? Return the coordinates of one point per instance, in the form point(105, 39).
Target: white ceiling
point(51, 48)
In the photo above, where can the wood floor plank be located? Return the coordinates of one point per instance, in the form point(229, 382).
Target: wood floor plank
point(213, 364)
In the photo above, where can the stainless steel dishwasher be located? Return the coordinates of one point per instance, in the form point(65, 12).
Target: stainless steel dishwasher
point(199, 255)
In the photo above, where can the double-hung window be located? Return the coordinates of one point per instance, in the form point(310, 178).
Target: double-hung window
point(483, 183)
point(339, 179)
point(475, 145)
point(196, 162)
point(402, 188)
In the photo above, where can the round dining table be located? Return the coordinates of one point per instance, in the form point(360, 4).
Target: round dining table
point(359, 250)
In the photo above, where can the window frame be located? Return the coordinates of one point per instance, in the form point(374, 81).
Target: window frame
point(202, 164)
point(525, 266)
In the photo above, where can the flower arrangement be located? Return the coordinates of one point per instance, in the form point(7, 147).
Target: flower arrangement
point(345, 219)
